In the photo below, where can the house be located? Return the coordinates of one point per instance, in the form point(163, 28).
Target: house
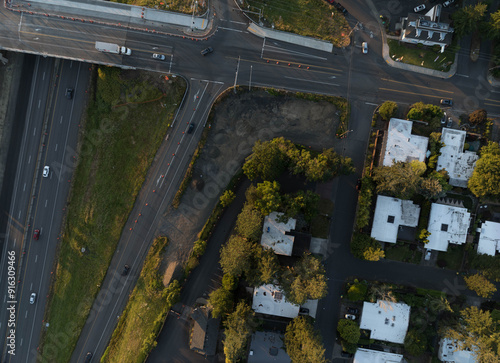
point(489, 238)
point(375, 356)
point(268, 346)
point(386, 321)
point(458, 163)
point(205, 332)
point(449, 352)
point(401, 145)
point(270, 300)
point(391, 216)
point(276, 234)
point(447, 224)
point(427, 29)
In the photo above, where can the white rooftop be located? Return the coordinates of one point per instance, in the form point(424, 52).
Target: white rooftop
point(401, 145)
point(273, 234)
point(387, 321)
point(458, 163)
point(489, 239)
point(448, 352)
point(390, 213)
point(375, 356)
point(270, 300)
point(447, 224)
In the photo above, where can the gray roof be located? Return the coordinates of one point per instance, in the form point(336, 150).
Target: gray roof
point(422, 29)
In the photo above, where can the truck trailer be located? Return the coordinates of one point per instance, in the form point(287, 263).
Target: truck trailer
point(112, 48)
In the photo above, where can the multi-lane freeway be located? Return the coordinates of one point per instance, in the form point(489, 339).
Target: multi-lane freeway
point(239, 57)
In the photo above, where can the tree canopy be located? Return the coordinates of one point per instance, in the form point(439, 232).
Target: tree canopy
point(387, 110)
point(480, 285)
point(362, 243)
point(221, 302)
point(415, 342)
point(349, 330)
point(466, 20)
point(494, 25)
point(239, 327)
point(485, 178)
point(401, 180)
point(424, 112)
point(249, 223)
point(477, 117)
point(303, 344)
point(235, 256)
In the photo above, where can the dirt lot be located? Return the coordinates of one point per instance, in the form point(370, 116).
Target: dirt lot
point(239, 120)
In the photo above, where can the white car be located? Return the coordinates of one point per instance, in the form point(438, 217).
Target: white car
point(428, 255)
point(448, 3)
point(419, 8)
point(159, 56)
point(350, 316)
point(364, 46)
point(46, 171)
point(32, 298)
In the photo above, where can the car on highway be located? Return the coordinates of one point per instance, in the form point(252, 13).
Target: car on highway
point(364, 46)
point(32, 298)
point(88, 357)
point(450, 122)
point(350, 316)
point(69, 93)
point(190, 128)
point(36, 234)
point(46, 171)
point(446, 102)
point(159, 56)
point(448, 3)
point(352, 310)
point(419, 8)
point(443, 119)
point(126, 269)
point(206, 51)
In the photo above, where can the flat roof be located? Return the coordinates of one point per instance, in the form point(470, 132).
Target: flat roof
point(267, 347)
point(270, 300)
point(458, 163)
point(489, 238)
point(375, 356)
point(449, 352)
point(387, 321)
point(274, 234)
point(390, 213)
point(447, 224)
point(402, 145)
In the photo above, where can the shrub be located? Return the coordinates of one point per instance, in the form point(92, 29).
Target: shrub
point(357, 291)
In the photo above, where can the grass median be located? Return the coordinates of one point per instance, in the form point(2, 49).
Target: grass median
point(128, 117)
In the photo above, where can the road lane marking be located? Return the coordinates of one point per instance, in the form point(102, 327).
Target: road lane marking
point(19, 215)
point(415, 85)
point(60, 121)
point(24, 188)
point(492, 104)
point(36, 258)
point(282, 50)
point(308, 80)
point(410, 93)
point(234, 30)
point(55, 149)
point(34, 131)
point(39, 103)
point(31, 286)
point(489, 99)
point(46, 201)
point(371, 104)
point(43, 77)
point(29, 159)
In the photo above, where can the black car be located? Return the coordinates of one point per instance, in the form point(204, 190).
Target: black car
point(303, 311)
point(207, 51)
point(190, 128)
point(340, 8)
point(126, 269)
point(446, 102)
point(88, 357)
point(443, 119)
point(358, 184)
point(69, 93)
point(353, 310)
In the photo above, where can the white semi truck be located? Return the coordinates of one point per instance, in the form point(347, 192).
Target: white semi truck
point(112, 48)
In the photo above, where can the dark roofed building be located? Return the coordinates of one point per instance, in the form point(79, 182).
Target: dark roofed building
point(205, 332)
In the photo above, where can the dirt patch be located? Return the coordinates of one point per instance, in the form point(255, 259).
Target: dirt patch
point(238, 121)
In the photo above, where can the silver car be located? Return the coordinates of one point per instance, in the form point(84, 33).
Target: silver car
point(46, 171)
point(419, 8)
point(32, 298)
point(159, 56)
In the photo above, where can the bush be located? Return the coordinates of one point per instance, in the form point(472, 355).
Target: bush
point(357, 291)
point(478, 117)
point(387, 110)
point(361, 243)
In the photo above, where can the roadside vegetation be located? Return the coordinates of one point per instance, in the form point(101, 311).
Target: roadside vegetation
point(146, 311)
point(179, 6)
point(127, 120)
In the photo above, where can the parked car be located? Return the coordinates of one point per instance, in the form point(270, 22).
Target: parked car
point(443, 119)
point(419, 8)
point(303, 311)
point(36, 234)
point(428, 255)
point(69, 93)
point(448, 3)
point(450, 122)
point(206, 51)
point(126, 269)
point(32, 298)
point(350, 316)
point(159, 56)
point(340, 8)
point(358, 184)
point(446, 102)
point(88, 357)
point(46, 171)
point(364, 46)
point(352, 310)
point(190, 128)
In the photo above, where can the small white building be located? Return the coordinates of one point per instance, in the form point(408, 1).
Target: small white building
point(449, 352)
point(458, 163)
point(270, 300)
point(386, 321)
point(390, 214)
point(489, 239)
point(402, 145)
point(375, 356)
point(447, 224)
point(274, 234)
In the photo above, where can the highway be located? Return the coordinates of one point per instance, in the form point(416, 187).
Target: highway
point(50, 133)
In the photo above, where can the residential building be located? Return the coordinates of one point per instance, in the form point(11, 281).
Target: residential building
point(402, 145)
point(393, 216)
point(268, 347)
point(447, 224)
point(270, 300)
point(205, 332)
point(489, 238)
point(375, 356)
point(449, 352)
point(386, 321)
point(276, 235)
point(458, 163)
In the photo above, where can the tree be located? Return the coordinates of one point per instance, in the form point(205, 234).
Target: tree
point(387, 110)
point(485, 178)
point(494, 25)
point(229, 282)
point(239, 327)
point(235, 256)
point(478, 117)
point(467, 19)
point(373, 254)
point(424, 112)
point(401, 180)
point(383, 293)
point(349, 330)
point(415, 343)
point(268, 266)
point(306, 280)
point(361, 243)
point(480, 285)
point(267, 161)
point(249, 223)
point(431, 188)
point(303, 344)
point(268, 198)
point(477, 332)
point(221, 302)
point(357, 291)
point(227, 198)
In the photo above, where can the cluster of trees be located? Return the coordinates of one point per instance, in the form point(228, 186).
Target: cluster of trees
point(303, 344)
point(364, 202)
point(425, 112)
point(366, 248)
point(349, 333)
point(472, 18)
point(271, 158)
point(387, 110)
point(480, 285)
point(485, 178)
point(239, 326)
point(404, 180)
